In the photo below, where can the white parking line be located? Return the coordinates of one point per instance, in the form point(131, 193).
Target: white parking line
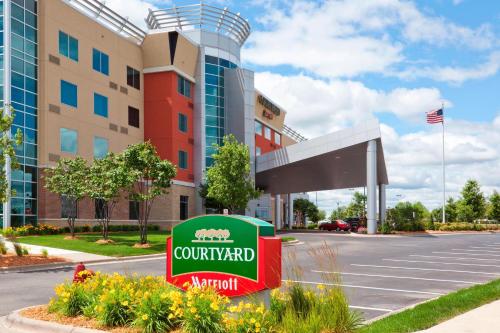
point(397, 277)
point(427, 269)
point(485, 247)
point(475, 250)
point(368, 308)
point(441, 263)
point(467, 254)
point(365, 287)
point(455, 258)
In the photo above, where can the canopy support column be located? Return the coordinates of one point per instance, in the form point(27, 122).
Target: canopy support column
point(382, 203)
point(290, 211)
point(371, 185)
point(277, 211)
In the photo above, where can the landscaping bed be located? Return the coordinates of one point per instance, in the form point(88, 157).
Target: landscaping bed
point(12, 260)
point(122, 245)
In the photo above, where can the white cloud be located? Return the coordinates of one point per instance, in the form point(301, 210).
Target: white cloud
point(319, 107)
point(135, 10)
point(455, 75)
point(351, 38)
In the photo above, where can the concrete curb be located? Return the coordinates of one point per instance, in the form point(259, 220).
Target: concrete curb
point(409, 307)
point(291, 243)
point(72, 263)
point(17, 322)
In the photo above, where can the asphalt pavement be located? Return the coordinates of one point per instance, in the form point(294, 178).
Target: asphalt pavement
point(380, 274)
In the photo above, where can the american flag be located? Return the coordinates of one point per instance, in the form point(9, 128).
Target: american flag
point(434, 117)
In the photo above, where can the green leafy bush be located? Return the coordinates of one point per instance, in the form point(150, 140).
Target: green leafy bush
point(386, 228)
point(312, 226)
point(3, 247)
point(72, 299)
point(18, 249)
point(204, 314)
point(45, 253)
point(25, 251)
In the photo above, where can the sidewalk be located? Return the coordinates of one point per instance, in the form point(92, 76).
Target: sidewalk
point(72, 256)
point(485, 319)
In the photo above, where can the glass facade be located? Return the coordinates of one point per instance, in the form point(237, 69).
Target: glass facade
point(214, 104)
point(24, 97)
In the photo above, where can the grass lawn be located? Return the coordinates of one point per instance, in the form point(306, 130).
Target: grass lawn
point(431, 313)
point(287, 239)
point(122, 246)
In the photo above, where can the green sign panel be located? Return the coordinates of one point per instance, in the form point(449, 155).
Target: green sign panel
point(218, 243)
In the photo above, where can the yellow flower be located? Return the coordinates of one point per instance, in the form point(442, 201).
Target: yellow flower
point(193, 310)
point(214, 306)
point(145, 317)
point(125, 303)
point(163, 296)
point(186, 284)
point(252, 320)
point(321, 286)
point(171, 316)
point(65, 300)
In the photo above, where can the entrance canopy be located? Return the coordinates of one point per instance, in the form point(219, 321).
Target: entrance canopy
point(334, 161)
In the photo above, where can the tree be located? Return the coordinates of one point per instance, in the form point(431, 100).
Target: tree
point(321, 215)
point(108, 177)
point(494, 208)
point(473, 203)
point(229, 180)
point(339, 214)
point(465, 213)
point(357, 205)
point(7, 144)
point(210, 204)
point(407, 216)
point(151, 177)
point(450, 210)
point(303, 207)
point(69, 179)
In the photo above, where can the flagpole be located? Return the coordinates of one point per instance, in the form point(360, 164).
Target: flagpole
point(444, 179)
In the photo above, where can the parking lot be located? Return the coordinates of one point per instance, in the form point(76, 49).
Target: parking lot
point(383, 274)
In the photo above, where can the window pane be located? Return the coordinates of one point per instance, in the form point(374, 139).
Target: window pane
point(104, 64)
point(69, 94)
point(267, 133)
point(63, 44)
point(96, 60)
point(100, 105)
point(73, 48)
point(277, 138)
point(183, 163)
point(101, 147)
point(69, 140)
point(182, 122)
point(133, 117)
point(258, 128)
point(130, 76)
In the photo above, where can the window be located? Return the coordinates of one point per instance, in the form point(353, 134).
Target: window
point(133, 77)
point(133, 117)
point(258, 151)
point(258, 128)
point(69, 94)
point(267, 132)
point(183, 86)
point(68, 46)
point(100, 208)
point(183, 159)
point(69, 140)
point(100, 61)
point(69, 208)
point(277, 138)
point(100, 105)
point(183, 125)
point(101, 147)
point(133, 210)
point(183, 207)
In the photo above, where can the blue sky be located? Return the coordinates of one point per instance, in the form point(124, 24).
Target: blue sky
point(332, 64)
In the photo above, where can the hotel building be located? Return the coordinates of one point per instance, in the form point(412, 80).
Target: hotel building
point(84, 81)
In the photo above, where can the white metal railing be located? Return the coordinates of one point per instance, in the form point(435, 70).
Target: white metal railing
point(109, 18)
point(201, 16)
point(293, 134)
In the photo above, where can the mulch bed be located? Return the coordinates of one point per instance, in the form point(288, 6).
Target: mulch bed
point(10, 260)
point(41, 313)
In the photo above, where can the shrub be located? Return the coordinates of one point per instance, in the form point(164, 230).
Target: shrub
point(430, 225)
point(160, 311)
point(312, 226)
point(18, 249)
point(86, 228)
point(45, 253)
point(3, 247)
point(25, 251)
point(10, 233)
point(248, 318)
point(71, 299)
point(386, 228)
point(204, 311)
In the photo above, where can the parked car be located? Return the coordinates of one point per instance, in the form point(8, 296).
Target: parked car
point(324, 221)
point(335, 225)
point(354, 223)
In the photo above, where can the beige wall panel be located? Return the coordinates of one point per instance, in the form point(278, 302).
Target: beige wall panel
point(156, 50)
point(186, 56)
point(167, 207)
point(287, 141)
point(277, 122)
point(56, 16)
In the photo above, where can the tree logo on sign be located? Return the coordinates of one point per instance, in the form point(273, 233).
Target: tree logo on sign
point(212, 236)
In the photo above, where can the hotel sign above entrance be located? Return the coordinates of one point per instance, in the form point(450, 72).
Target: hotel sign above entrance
point(237, 255)
point(275, 111)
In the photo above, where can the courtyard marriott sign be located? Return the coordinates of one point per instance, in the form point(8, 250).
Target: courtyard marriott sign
point(238, 255)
